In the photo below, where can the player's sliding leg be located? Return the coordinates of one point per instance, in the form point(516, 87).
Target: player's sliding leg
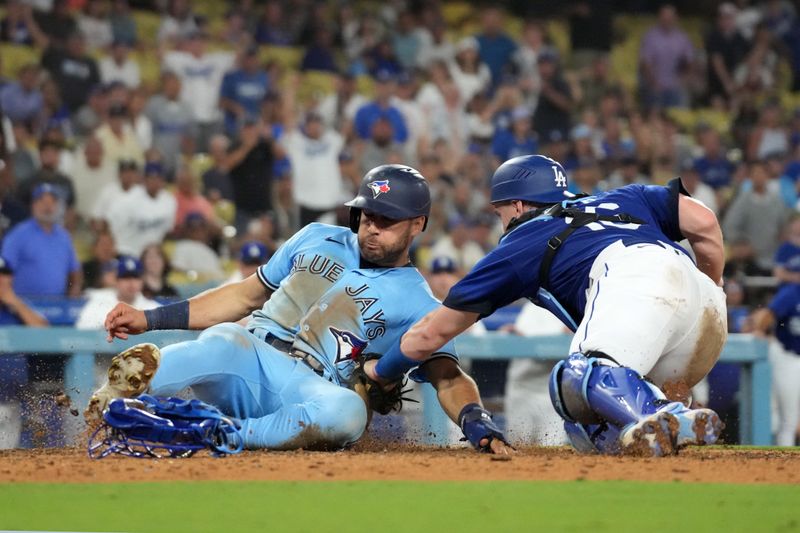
point(315, 414)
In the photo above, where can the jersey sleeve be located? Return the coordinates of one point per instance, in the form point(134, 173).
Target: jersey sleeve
point(280, 264)
point(663, 204)
point(491, 284)
point(783, 254)
point(784, 301)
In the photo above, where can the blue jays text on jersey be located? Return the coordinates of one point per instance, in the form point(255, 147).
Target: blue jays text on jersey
point(330, 306)
point(511, 271)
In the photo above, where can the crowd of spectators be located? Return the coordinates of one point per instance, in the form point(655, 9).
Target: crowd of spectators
point(105, 164)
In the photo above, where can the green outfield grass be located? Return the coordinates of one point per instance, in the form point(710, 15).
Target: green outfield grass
point(400, 506)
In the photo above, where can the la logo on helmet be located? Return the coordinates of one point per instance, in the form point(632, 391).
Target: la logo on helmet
point(561, 179)
point(379, 187)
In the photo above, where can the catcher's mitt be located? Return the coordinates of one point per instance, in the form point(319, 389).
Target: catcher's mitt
point(381, 399)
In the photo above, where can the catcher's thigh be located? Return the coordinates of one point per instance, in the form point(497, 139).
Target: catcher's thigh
point(650, 309)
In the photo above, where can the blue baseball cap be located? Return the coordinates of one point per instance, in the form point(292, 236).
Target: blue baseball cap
point(253, 253)
point(46, 188)
point(129, 267)
point(443, 264)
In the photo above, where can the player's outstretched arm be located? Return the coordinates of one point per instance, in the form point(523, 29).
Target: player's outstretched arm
point(434, 331)
point(459, 397)
point(700, 226)
point(228, 303)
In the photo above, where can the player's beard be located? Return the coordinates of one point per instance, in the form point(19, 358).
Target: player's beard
point(387, 255)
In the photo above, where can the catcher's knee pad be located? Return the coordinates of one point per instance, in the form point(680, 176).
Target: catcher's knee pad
point(586, 391)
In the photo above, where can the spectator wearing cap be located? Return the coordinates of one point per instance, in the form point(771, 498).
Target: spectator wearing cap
point(93, 172)
point(193, 253)
point(381, 108)
point(172, 119)
point(726, 48)
point(313, 151)
point(74, 72)
point(120, 66)
point(127, 288)
point(665, 56)
point(252, 255)
point(40, 251)
point(469, 73)
point(201, 74)
point(443, 275)
point(13, 368)
point(144, 215)
point(583, 147)
point(22, 101)
point(556, 102)
point(128, 176)
point(457, 244)
point(118, 138)
point(250, 166)
point(243, 90)
point(496, 47)
point(48, 173)
point(518, 140)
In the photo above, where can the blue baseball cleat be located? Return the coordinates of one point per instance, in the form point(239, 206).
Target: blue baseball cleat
point(654, 435)
point(697, 427)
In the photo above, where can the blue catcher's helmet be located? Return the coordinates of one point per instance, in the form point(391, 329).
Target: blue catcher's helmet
point(397, 192)
point(531, 178)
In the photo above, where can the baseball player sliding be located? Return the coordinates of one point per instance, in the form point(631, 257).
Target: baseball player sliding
point(645, 317)
point(327, 298)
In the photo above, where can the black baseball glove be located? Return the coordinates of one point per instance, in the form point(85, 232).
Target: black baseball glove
point(381, 399)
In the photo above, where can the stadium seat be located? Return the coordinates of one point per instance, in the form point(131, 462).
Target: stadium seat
point(15, 56)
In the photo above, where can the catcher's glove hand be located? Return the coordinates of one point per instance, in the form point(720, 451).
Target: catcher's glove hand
point(380, 398)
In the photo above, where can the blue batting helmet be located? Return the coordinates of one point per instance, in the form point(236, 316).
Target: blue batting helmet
point(397, 192)
point(531, 178)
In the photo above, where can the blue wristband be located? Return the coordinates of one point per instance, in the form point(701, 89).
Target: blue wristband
point(172, 316)
point(394, 363)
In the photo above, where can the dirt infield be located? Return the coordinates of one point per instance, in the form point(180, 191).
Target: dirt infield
point(719, 465)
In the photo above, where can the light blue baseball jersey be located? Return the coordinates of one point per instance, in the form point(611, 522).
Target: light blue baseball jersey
point(334, 308)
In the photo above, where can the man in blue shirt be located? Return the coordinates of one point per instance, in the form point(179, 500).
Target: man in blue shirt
point(783, 314)
point(496, 47)
point(40, 250)
point(610, 268)
point(243, 90)
point(518, 140)
point(381, 108)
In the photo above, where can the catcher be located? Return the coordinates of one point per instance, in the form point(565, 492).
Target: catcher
point(327, 301)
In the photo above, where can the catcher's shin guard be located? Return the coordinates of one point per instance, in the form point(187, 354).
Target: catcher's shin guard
point(157, 427)
point(129, 375)
point(584, 391)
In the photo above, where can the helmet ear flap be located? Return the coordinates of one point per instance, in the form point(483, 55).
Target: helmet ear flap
point(355, 219)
